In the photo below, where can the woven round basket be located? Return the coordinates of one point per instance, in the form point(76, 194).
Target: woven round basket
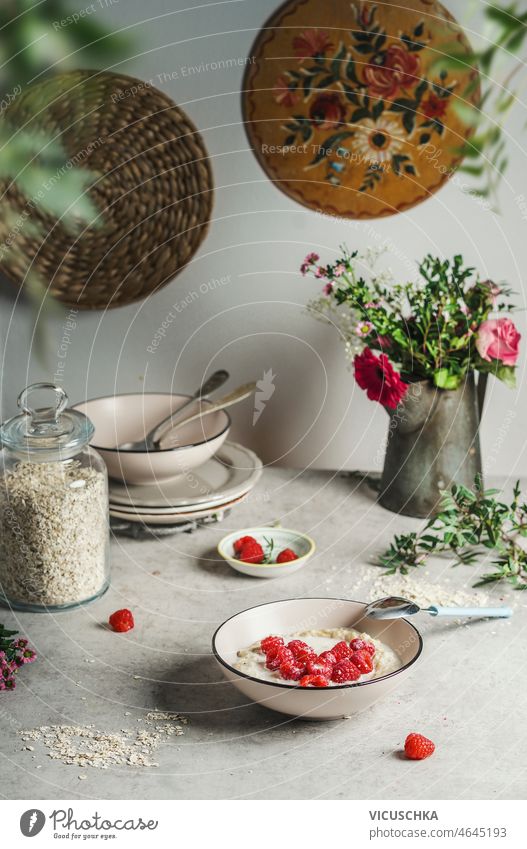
point(150, 183)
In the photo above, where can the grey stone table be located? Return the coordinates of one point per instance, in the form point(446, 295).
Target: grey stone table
point(467, 693)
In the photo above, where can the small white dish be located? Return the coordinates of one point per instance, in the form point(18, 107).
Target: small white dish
point(281, 538)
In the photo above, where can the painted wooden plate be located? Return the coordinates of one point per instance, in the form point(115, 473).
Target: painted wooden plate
point(347, 108)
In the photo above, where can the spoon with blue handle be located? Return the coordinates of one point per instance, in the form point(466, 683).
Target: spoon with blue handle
point(394, 607)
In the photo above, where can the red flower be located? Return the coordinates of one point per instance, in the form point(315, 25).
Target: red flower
point(434, 106)
point(327, 111)
point(284, 95)
point(312, 42)
point(380, 380)
point(399, 69)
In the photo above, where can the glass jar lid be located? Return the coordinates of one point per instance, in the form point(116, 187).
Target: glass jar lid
point(46, 432)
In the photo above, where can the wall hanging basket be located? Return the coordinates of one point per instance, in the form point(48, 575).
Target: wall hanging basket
point(150, 183)
point(346, 108)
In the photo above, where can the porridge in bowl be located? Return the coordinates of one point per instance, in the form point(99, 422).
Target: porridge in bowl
point(318, 658)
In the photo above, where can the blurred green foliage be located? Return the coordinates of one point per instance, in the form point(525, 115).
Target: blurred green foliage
point(39, 38)
point(33, 41)
point(498, 60)
point(36, 39)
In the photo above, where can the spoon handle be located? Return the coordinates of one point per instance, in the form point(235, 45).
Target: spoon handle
point(207, 387)
point(480, 612)
point(232, 398)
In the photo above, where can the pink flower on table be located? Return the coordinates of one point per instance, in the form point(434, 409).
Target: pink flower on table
point(380, 380)
point(339, 270)
point(320, 272)
point(498, 339)
point(328, 288)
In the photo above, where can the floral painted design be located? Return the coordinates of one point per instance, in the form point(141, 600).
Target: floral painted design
point(379, 140)
point(327, 111)
point(311, 43)
point(391, 70)
point(284, 93)
point(363, 103)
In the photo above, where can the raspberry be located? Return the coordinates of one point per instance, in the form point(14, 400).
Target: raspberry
point(314, 681)
point(271, 643)
point(362, 660)
point(318, 667)
point(290, 671)
point(357, 644)
point(239, 543)
point(286, 556)
point(344, 671)
point(276, 658)
point(251, 552)
point(302, 655)
point(122, 620)
point(370, 648)
point(298, 647)
point(341, 650)
point(327, 657)
point(417, 747)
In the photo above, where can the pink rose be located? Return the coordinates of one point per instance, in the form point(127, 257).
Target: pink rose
point(498, 339)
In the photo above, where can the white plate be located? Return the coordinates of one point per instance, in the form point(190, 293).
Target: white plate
point(174, 518)
point(175, 511)
point(232, 472)
point(176, 515)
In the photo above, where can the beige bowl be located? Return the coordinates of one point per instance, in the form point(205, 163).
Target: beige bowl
point(286, 617)
point(127, 418)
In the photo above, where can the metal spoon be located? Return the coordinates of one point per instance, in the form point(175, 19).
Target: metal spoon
point(167, 440)
point(152, 437)
point(394, 607)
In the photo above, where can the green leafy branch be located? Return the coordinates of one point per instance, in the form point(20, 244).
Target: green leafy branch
point(469, 523)
point(485, 151)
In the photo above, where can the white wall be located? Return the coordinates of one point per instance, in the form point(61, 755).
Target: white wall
point(258, 237)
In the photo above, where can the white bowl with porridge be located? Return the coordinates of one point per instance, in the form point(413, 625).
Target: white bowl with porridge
point(315, 658)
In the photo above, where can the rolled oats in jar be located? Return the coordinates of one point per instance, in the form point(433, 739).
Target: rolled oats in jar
point(54, 525)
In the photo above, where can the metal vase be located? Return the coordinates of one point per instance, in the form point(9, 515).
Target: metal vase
point(433, 441)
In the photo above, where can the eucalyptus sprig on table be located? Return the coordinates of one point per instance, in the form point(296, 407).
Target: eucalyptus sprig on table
point(469, 522)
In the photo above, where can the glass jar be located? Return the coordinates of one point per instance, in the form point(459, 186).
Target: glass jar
point(54, 519)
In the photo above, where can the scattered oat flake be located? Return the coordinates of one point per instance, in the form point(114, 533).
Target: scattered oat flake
point(424, 593)
point(88, 747)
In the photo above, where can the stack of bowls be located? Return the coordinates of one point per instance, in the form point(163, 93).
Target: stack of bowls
point(199, 478)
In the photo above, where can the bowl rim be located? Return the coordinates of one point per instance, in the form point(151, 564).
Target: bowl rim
point(160, 450)
point(296, 686)
point(298, 561)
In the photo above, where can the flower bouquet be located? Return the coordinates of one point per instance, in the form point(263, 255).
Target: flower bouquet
point(14, 653)
point(415, 347)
